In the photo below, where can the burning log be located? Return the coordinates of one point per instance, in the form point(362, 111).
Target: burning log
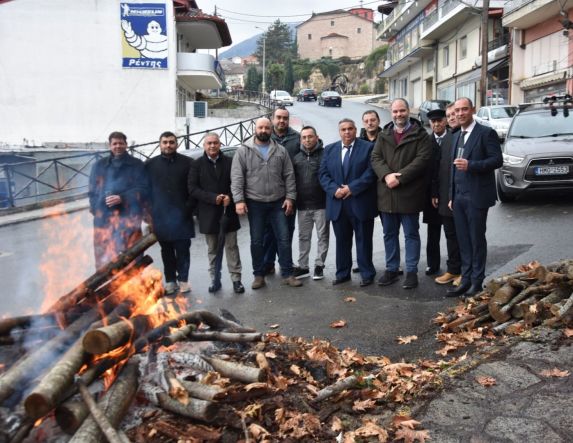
point(108, 338)
point(236, 371)
point(70, 415)
point(114, 405)
point(102, 275)
point(99, 417)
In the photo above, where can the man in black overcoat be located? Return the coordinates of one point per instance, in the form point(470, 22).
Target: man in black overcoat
point(172, 211)
point(210, 184)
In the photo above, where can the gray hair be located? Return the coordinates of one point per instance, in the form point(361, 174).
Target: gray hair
point(347, 120)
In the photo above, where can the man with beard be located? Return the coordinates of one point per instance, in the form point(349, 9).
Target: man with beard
point(371, 126)
point(264, 188)
point(311, 203)
point(171, 211)
point(118, 188)
point(287, 137)
point(400, 159)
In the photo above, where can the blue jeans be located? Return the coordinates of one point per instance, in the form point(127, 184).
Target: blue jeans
point(391, 224)
point(270, 242)
point(260, 215)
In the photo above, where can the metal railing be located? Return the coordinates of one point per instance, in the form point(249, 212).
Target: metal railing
point(36, 181)
point(498, 42)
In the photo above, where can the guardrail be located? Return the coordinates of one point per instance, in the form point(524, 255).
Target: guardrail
point(37, 181)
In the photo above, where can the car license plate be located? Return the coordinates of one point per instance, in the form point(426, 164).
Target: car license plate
point(551, 170)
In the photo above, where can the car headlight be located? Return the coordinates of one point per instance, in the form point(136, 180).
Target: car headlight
point(512, 159)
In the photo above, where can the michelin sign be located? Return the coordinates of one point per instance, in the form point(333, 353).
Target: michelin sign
point(144, 35)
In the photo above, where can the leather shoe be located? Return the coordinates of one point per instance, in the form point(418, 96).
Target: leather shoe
point(460, 290)
point(355, 270)
point(474, 290)
point(338, 281)
point(215, 286)
point(431, 271)
point(366, 282)
point(238, 287)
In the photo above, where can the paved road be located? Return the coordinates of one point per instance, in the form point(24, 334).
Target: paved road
point(517, 233)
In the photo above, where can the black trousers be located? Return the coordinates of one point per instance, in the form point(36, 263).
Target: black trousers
point(176, 256)
point(433, 256)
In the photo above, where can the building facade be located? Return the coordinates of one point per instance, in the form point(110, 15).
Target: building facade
point(73, 72)
point(434, 50)
point(337, 34)
point(542, 48)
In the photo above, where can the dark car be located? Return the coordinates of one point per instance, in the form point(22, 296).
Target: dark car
point(430, 105)
point(330, 98)
point(538, 151)
point(305, 95)
point(196, 153)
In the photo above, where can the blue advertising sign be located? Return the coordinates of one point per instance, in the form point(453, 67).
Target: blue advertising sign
point(144, 35)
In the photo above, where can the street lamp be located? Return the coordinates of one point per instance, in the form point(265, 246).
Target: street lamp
point(264, 88)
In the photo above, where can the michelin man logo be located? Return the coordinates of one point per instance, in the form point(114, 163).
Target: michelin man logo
point(151, 45)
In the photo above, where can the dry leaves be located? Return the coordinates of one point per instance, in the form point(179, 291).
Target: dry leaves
point(406, 429)
point(363, 405)
point(555, 372)
point(407, 339)
point(568, 332)
point(338, 324)
point(486, 381)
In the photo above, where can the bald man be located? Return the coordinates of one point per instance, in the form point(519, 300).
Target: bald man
point(263, 186)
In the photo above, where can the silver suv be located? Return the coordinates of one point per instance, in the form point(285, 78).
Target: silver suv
point(538, 151)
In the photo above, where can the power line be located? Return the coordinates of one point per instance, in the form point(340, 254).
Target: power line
point(299, 15)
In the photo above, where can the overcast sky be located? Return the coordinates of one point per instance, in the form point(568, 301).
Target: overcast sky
point(243, 15)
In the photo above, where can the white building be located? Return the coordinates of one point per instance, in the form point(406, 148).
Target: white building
point(61, 74)
point(434, 50)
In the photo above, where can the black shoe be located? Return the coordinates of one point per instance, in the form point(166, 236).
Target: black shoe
point(432, 271)
point(411, 280)
point(366, 282)
point(300, 272)
point(238, 287)
point(474, 290)
point(318, 273)
point(215, 286)
point(268, 270)
point(355, 270)
point(388, 278)
point(460, 290)
point(339, 281)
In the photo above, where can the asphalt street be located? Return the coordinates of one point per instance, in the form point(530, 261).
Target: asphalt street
point(52, 255)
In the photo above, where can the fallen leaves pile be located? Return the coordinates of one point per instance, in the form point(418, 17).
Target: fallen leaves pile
point(373, 406)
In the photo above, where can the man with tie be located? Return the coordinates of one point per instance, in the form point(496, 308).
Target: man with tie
point(349, 182)
point(401, 159)
point(440, 190)
point(476, 157)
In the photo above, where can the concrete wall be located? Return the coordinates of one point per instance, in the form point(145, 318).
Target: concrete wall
point(61, 76)
point(359, 44)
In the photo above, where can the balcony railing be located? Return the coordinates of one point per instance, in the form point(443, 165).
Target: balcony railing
point(498, 42)
point(515, 5)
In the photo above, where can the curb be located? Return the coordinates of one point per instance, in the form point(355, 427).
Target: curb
point(37, 214)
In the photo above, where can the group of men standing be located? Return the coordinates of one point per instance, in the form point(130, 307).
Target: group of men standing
point(394, 172)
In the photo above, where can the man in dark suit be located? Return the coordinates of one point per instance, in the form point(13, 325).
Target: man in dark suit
point(347, 177)
point(440, 190)
point(476, 156)
point(210, 184)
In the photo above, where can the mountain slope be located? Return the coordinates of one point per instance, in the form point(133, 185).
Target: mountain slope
point(249, 46)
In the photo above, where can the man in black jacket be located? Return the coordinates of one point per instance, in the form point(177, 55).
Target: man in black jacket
point(371, 126)
point(311, 204)
point(171, 211)
point(117, 191)
point(210, 185)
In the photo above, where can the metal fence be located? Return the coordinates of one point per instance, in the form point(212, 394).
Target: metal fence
point(36, 181)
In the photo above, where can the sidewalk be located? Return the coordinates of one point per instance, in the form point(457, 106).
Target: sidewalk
point(523, 404)
point(36, 214)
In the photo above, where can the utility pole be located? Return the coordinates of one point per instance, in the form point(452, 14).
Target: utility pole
point(264, 85)
point(484, 44)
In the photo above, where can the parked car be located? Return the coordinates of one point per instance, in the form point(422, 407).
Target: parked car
point(538, 151)
point(430, 105)
point(196, 153)
point(306, 95)
point(281, 98)
point(495, 99)
point(496, 117)
point(330, 98)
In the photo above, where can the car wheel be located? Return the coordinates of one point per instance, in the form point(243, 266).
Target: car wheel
point(504, 197)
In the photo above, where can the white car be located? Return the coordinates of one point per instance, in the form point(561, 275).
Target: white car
point(281, 98)
point(496, 117)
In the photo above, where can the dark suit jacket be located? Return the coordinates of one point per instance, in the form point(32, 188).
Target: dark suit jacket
point(442, 174)
point(361, 180)
point(483, 152)
point(206, 181)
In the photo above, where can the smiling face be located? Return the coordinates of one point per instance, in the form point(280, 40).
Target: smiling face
point(117, 146)
point(153, 27)
point(212, 146)
point(400, 113)
point(464, 112)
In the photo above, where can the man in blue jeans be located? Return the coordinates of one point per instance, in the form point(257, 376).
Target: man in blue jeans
point(400, 159)
point(263, 186)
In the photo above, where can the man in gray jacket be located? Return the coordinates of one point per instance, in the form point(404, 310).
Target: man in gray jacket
point(264, 188)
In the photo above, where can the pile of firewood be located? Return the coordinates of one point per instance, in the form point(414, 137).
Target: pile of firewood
point(535, 295)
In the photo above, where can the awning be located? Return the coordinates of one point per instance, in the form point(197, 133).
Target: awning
point(544, 79)
point(498, 64)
